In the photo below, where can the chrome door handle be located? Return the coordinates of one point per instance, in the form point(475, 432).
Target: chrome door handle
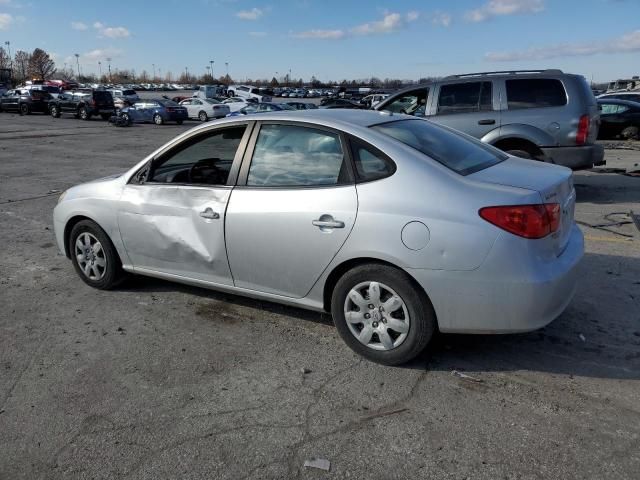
point(208, 213)
point(327, 221)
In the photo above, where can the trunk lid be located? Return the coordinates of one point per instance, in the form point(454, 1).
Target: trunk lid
point(552, 182)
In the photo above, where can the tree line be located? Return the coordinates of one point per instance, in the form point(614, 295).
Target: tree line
point(28, 65)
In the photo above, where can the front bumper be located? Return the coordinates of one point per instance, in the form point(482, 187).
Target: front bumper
point(576, 158)
point(490, 300)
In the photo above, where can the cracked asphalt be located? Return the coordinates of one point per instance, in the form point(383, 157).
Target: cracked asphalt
point(158, 380)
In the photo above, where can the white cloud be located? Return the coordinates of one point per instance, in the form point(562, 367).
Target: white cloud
point(5, 21)
point(257, 34)
point(321, 34)
point(253, 14)
point(627, 43)
point(110, 32)
point(497, 8)
point(412, 16)
point(93, 56)
point(389, 23)
point(79, 26)
point(441, 19)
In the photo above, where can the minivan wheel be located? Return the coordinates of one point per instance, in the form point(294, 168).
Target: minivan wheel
point(84, 114)
point(94, 257)
point(24, 109)
point(157, 119)
point(381, 315)
point(203, 117)
point(630, 133)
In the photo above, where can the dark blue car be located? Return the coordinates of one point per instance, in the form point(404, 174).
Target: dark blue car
point(157, 111)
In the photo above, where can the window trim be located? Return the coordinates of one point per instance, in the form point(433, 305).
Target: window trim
point(355, 142)
point(181, 144)
point(248, 157)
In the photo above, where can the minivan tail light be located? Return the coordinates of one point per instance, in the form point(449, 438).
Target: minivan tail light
point(583, 130)
point(527, 221)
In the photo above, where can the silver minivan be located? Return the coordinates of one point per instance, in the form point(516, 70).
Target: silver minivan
point(544, 115)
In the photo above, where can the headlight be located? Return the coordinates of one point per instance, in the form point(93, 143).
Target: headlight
point(61, 197)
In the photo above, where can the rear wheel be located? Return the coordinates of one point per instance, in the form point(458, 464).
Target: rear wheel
point(24, 109)
point(55, 112)
point(630, 133)
point(520, 153)
point(94, 257)
point(179, 122)
point(126, 118)
point(157, 119)
point(203, 117)
point(83, 113)
point(381, 314)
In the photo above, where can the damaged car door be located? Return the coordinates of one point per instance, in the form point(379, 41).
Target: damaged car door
point(172, 211)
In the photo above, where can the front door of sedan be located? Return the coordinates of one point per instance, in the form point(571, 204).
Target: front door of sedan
point(188, 104)
point(293, 209)
point(172, 212)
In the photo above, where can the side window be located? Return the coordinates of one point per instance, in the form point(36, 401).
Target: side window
point(535, 93)
point(411, 103)
point(370, 163)
point(607, 108)
point(206, 160)
point(465, 98)
point(293, 156)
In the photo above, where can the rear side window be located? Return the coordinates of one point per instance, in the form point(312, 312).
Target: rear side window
point(370, 163)
point(535, 93)
point(293, 156)
point(465, 98)
point(459, 153)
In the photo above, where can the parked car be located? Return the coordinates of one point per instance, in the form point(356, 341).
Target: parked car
point(128, 95)
point(25, 101)
point(204, 109)
point(301, 105)
point(391, 270)
point(247, 91)
point(261, 108)
point(338, 103)
point(83, 104)
point(544, 115)
point(236, 103)
point(619, 118)
point(210, 91)
point(52, 90)
point(158, 111)
point(631, 96)
point(372, 100)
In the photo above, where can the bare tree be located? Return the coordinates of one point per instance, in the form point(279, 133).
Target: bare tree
point(21, 65)
point(40, 65)
point(5, 61)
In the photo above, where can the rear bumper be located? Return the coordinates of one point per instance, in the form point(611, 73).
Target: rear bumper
point(576, 158)
point(496, 300)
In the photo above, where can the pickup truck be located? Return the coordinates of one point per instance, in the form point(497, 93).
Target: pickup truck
point(248, 91)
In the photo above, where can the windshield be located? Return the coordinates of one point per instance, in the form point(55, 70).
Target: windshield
point(460, 153)
point(167, 103)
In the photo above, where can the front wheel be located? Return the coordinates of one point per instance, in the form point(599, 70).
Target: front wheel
point(157, 119)
point(630, 133)
point(94, 257)
point(55, 112)
point(83, 113)
point(179, 122)
point(24, 109)
point(381, 314)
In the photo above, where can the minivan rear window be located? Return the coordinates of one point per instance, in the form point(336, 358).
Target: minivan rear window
point(535, 93)
point(460, 153)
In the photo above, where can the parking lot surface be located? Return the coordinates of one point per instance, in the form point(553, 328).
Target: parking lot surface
point(159, 380)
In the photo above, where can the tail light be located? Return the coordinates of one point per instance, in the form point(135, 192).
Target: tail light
point(583, 130)
point(528, 221)
point(171, 109)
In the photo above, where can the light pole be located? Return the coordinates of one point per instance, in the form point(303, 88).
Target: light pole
point(8, 44)
point(211, 62)
point(153, 65)
point(226, 64)
point(109, 61)
point(100, 70)
point(186, 74)
point(208, 68)
point(77, 55)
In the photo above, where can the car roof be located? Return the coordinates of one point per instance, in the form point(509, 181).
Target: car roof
point(332, 117)
point(618, 101)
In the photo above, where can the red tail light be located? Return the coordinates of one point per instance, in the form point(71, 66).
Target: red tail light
point(583, 130)
point(528, 221)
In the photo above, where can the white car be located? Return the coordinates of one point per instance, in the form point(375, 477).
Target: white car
point(247, 91)
point(205, 108)
point(236, 103)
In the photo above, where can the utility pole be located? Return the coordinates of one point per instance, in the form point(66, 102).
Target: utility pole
point(77, 55)
point(211, 62)
point(8, 44)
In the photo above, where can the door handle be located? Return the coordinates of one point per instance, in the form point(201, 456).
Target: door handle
point(327, 222)
point(487, 121)
point(209, 214)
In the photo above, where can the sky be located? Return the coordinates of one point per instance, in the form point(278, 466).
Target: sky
point(331, 39)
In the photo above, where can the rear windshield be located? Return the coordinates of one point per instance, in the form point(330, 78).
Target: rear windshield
point(461, 154)
point(536, 93)
point(102, 95)
point(167, 103)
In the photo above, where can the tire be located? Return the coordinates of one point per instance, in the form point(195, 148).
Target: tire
point(126, 118)
point(105, 116)
point(157, 119)
point(179, 122)
point(415, 314)
point(520, 153)
point(55, 111)
point(104, 277)
point(630, 133)
point(202, 116)
point(24, 109)
point(83, 113)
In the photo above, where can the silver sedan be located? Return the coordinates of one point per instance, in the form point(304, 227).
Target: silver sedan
point(396, 226)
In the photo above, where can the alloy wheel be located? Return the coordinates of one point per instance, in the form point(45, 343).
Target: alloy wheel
point(90, 256)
